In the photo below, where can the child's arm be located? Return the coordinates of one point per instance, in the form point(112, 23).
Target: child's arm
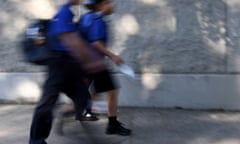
point(78, 48)
point(100, 46)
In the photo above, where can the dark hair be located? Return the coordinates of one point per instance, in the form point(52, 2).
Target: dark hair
point(93, 6)
point(90, 7)
point(98, 1)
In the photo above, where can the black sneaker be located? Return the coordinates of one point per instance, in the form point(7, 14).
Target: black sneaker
point(88, 117)
point(118, 129)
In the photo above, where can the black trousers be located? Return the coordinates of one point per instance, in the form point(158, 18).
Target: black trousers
point(64, 75)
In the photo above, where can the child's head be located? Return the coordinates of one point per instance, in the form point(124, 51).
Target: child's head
point(105, 6)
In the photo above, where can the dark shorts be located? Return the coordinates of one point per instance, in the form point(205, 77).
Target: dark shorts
point(102, 81)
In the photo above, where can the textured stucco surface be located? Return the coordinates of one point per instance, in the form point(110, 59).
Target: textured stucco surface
point(233, 37)
point(15, 15)
point(172, 36)
point(153, 36)
point(188, 50)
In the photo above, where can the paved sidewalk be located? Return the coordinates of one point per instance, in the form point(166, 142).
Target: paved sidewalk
point(150, 126)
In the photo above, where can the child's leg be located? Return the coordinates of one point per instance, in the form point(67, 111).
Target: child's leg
point(104, 82)
point(112, 103)
point(114, 126)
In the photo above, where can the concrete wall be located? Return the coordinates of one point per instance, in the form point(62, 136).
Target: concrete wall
point(173, 36)
point(186, 52)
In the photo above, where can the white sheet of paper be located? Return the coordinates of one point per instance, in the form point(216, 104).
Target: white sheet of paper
point(127, 70)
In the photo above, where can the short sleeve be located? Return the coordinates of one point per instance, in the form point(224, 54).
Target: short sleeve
point(97, 31)
point(63, 22)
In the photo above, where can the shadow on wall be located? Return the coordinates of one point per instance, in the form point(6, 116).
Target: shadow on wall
point(15, 16)
point(20, 88)
point(169, 36)
point(154, 36)
point(233, 36)
point(172, 37)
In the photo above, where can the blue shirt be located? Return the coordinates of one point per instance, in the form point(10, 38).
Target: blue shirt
point(92, 27)
point(61, 23)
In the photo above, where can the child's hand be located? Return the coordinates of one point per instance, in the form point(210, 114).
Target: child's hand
point(117, 60)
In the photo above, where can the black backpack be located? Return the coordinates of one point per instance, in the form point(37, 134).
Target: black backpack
point(35, 43)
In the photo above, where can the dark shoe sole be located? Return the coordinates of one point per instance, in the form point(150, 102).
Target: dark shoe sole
point(118, 133)
point(88, 119)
